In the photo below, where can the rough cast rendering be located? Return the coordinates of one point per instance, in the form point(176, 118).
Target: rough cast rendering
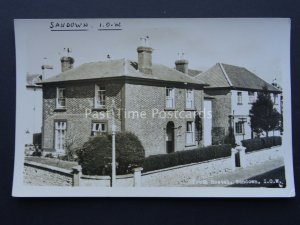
point(153, 108)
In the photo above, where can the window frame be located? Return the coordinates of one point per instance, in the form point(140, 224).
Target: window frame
point(240, 98)
point(251, 97)
point(93, 132)
point(59, 143)
point(242, 128)
point(97, 96)
point(170, 97)
point(191, 133)
point(58, 104)
point(191, 99)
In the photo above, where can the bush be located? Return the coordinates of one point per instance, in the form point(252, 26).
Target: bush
point(130, 151)
point(261, 143)
point(95, 155)
point(162, 161)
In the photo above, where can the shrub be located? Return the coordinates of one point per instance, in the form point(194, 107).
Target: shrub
point(130, 152)
point(261, 143)
point(95, 155)
point(162, 161)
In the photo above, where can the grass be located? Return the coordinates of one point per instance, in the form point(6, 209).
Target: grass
point(52, 162)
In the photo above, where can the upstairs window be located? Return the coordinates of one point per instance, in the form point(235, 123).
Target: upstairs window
point(189, 99)
point(100, 96)
point(251, 97)
point(98, 128)
point(239, 98)
point(190, 133)
point(170, 98)
point(60, 98)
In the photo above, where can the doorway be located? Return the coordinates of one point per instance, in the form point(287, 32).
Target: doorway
point(170, 137)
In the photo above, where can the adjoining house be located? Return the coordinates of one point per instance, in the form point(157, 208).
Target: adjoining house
point(33, 106)
point(153, 101)
point(230, 93)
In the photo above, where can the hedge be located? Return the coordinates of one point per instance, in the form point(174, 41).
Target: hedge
point(261, 143)
point(162, 161)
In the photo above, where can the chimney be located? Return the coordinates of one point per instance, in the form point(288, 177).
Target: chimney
point(182, 65)
point(66, 63)
point(145, 59)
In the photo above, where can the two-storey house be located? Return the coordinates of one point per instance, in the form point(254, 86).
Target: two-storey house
point(153, 101)
point(231, 92)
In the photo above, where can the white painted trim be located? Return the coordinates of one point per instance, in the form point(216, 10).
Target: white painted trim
point(225, 74)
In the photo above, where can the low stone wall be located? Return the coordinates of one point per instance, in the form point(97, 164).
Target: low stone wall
point(38, 174)
point(261, 156)
point(186, 174)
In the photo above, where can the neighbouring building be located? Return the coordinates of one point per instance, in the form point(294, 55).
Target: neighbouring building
point(155, 102)
point(33, 108)
point(230, 95)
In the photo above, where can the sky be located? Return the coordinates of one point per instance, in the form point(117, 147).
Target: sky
point(260, 45)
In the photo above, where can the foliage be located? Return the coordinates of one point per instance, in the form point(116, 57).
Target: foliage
point(161, 161)
point(95, 155)
point(198, 124)
point(261, 143)
point(264, 117)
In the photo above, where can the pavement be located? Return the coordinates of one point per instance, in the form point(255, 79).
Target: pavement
point(239, 175)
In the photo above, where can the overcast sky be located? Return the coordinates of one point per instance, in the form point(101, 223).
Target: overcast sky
point(260, 45)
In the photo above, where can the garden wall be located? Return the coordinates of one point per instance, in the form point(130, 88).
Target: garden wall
point(38, 174)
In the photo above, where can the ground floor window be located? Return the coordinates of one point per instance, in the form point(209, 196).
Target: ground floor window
point(60, 135)
point(190, 133)
point(98, 128)
point(239, 127)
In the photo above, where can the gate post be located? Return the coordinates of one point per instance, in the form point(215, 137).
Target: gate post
point(233, 153)
point(137, 176)
point(76, 171)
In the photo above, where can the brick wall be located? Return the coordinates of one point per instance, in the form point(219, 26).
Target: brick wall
point(152, 130)
point(221, 109)
point(79, 98)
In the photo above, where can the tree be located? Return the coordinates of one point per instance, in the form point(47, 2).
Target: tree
point(263, 115)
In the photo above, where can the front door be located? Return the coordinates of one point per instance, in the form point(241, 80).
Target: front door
point(170, 137)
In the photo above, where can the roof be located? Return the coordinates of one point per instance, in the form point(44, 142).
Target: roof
point(120, 68)
point(229, 76)
point(193, 73)
point(32, 80)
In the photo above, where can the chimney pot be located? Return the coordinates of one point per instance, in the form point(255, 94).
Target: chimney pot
point(66, 63)
point(182, 65)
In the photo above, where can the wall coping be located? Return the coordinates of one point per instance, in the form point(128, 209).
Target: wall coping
point(182, 166)
point(49, 168)
point(265, 149)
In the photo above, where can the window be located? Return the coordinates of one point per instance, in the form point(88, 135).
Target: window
point(60, 98)
point(98, 128)
point(251, 97)
point(189, 100)
point(239, 98)
point(190, 133)
point(100, 96)
point(170, 98)
point(239, 127)
point(275, 99)
point(60, 134)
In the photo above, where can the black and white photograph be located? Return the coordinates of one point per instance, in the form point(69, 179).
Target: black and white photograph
point(153, 108)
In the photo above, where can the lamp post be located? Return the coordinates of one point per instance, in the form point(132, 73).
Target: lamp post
point(113, 163)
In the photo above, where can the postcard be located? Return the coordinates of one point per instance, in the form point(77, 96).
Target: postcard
point(153, 108)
